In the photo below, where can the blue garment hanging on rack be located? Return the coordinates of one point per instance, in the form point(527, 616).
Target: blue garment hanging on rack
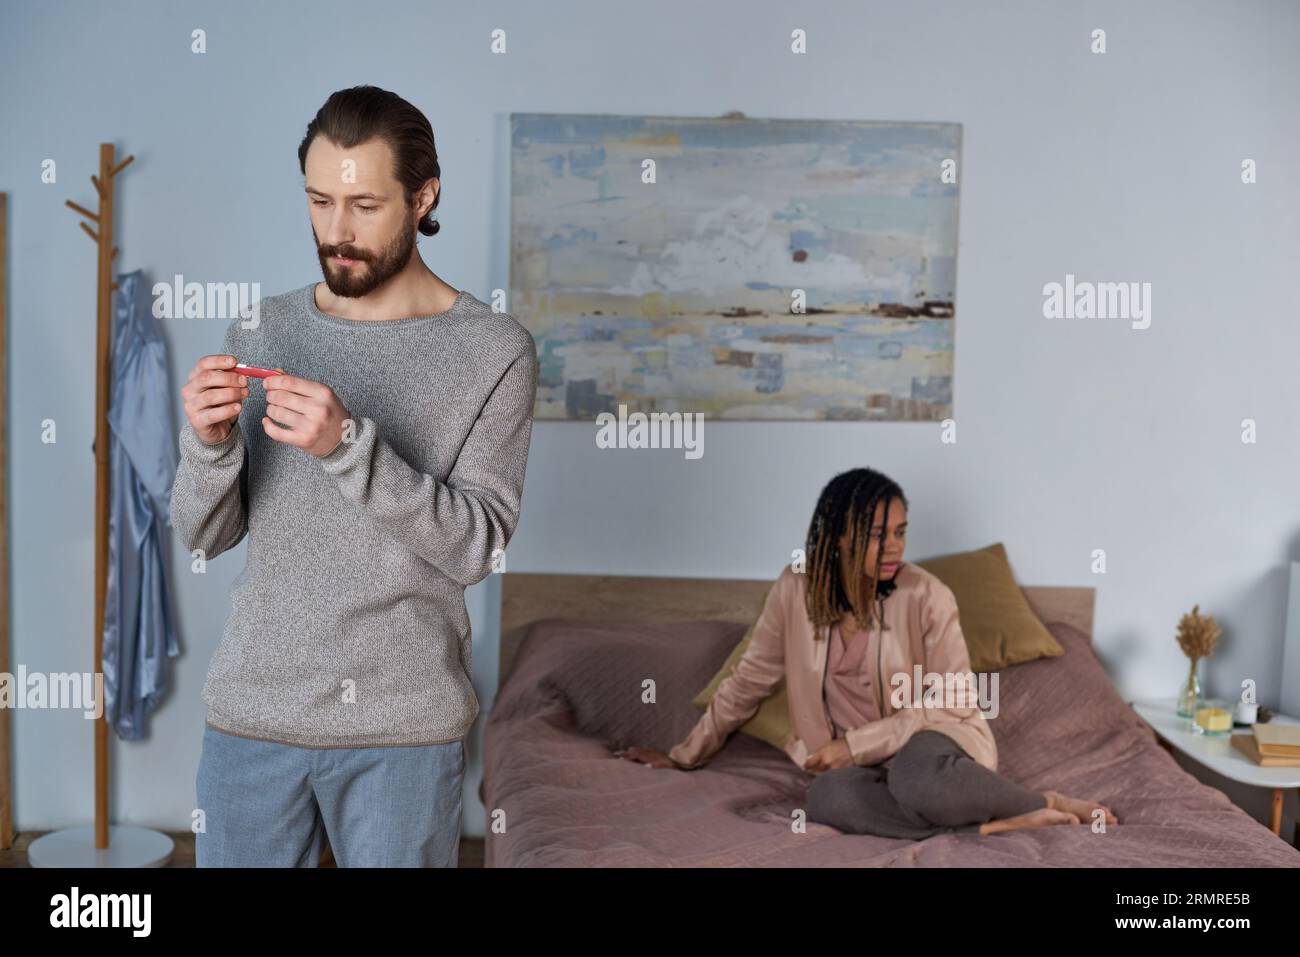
point(138, 622)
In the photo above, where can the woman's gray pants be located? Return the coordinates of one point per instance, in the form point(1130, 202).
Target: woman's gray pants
point(932, 787)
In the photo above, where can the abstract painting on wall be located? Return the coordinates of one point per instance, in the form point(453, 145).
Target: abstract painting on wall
point(739, 268)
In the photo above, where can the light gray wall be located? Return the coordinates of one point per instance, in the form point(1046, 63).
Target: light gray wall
point(1072, 435)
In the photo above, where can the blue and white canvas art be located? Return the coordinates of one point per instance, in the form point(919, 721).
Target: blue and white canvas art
point(741, 268)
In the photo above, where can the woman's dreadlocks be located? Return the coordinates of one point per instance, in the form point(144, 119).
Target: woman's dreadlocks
point(848, 501)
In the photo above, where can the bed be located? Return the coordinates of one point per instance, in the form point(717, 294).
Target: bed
point(577, 652)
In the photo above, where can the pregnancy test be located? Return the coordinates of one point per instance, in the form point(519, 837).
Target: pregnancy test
point(256, 372)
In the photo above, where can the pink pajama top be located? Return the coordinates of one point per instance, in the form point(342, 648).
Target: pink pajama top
point(851, 682)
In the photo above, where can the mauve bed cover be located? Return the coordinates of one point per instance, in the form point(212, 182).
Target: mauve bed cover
point(576, 693)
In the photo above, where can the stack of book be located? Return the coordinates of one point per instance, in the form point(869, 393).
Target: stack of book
point(1271, 745)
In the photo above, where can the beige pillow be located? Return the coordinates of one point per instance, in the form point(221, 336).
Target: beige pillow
point(771, 723)
point(999, 626)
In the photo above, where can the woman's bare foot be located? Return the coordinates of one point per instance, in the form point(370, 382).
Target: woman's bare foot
point(1043, 817)
point(1080, 807)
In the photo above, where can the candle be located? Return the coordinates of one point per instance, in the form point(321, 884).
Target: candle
point(1214, 719)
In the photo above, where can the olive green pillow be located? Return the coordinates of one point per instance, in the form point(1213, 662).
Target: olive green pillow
point(999, 626)
point(771, 723)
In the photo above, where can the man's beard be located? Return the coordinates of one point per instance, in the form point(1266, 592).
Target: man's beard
point(369, 272)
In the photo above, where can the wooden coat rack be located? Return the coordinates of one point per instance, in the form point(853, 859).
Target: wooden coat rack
point(103, 331)
point(102, 846)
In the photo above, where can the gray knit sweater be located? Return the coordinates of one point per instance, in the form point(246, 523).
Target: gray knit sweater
point(348, 626)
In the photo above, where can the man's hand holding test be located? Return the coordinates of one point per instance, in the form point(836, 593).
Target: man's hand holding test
point(303, 413)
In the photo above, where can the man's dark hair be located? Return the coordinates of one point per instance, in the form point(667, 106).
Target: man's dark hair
point(353, 116)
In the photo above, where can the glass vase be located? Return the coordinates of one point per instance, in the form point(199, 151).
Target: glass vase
point(1190, 694)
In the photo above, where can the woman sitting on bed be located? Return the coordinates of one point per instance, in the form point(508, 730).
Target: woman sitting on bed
point(908, 772)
